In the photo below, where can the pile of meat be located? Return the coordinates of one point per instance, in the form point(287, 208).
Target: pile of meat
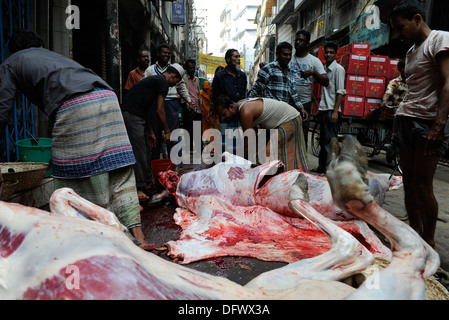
point(233, 209)
point(63, 255)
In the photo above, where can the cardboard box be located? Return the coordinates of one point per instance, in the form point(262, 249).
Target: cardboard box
point(375, 87)
point(355, 64)
point(362, 49)
point(355, 85)
point(378, 66)
point(371, 104)
point(392, 70)
point(353, 106)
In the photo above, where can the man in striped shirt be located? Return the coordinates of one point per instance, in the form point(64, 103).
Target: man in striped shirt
point(274, 81)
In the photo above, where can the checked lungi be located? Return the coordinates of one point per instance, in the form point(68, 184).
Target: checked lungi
point(93, 156)
point(89, 136)
point(291, 145)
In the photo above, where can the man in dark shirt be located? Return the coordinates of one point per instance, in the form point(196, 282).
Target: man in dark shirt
point(147, 93)
point(231, 81)
point(90, 147)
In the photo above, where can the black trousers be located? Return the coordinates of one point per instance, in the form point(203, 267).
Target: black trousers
point(328, 130)
point(138, 136)
point(189, 118)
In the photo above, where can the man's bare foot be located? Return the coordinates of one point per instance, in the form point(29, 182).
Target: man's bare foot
point(138, 234)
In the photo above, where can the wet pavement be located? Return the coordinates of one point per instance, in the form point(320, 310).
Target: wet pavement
point(159, 227)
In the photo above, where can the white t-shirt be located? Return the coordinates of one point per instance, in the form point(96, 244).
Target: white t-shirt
point(423, 78)
point(304, 85)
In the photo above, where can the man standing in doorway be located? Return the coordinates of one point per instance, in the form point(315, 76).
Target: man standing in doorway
point(331, 100)
point(421, 118)
point(143, 61)
point(306, 69)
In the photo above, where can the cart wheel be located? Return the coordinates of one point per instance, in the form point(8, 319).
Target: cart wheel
point(316, 140)
point(369, 139)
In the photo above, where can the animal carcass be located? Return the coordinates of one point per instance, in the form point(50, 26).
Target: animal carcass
point(233, 209)
point(51, 256)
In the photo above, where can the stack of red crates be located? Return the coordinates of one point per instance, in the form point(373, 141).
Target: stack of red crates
point(367, 77)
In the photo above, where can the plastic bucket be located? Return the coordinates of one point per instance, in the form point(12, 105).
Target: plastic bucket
point(161, 165)
point(35, 150)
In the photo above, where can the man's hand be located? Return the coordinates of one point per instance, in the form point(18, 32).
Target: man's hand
point(152, 139)
point(167, 137)
point(435, 139)
point(304, 114)
point(334, 118)
point(307, 73)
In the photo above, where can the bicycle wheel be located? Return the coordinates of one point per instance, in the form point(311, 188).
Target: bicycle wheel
point(316, 140)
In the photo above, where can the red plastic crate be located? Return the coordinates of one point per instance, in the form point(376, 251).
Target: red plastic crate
point(375, 87)
point(354, 106)
point(378, 66)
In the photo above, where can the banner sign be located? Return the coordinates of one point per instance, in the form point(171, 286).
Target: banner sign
point(178, 12)
point(363, 30)
point(212, 62)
